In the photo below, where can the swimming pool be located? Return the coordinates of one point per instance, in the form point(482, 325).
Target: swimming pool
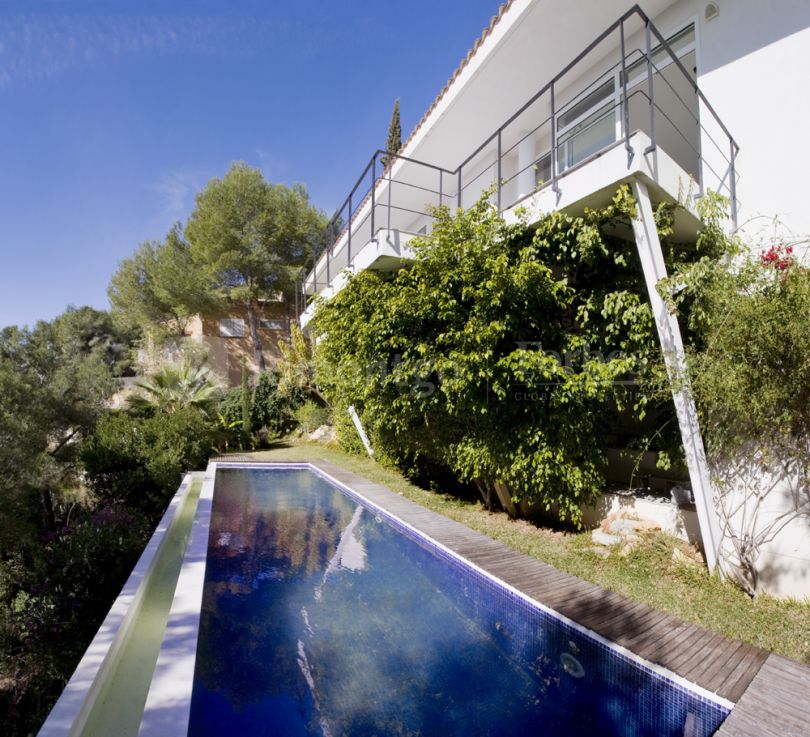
point(322, 615)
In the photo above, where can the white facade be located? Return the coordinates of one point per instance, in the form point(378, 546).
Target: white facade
point(562, 101)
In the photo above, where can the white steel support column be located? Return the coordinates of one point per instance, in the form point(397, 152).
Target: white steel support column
point(669, 335)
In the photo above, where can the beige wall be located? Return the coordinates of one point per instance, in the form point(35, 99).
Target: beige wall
point(226, 354)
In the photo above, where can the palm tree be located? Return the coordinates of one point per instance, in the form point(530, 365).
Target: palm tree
point(176, 386)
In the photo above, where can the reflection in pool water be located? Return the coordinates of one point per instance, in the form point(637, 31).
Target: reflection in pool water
point(320, 618)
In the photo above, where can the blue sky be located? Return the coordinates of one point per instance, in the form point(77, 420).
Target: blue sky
point(113, 114)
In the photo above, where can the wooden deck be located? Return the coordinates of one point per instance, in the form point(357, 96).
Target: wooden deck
point(772, 693)
point(776, 704)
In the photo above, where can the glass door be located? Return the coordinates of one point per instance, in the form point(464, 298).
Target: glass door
point(587, 125)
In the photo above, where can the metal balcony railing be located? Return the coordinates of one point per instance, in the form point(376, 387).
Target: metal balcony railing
point(629, 78)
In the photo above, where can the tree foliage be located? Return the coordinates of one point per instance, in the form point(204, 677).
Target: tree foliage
point(501, 352)
point(140, 461)
point(55, 380)
point(393, 142)
point(158, 289)
point(245, 236)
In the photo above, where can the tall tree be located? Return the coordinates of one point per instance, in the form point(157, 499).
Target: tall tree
point(158, 289)
point(55, 380)
point(394, 141)
point(245, 234)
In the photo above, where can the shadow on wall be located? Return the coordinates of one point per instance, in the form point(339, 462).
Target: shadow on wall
point(763, 506)
point(746, 26)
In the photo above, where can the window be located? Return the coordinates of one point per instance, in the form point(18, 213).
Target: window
point(231, 327)
point(681, 43)
point(542, 169)
point(271, 324)
point(587, 126)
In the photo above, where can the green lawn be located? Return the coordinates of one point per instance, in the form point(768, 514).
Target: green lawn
point(647, 574)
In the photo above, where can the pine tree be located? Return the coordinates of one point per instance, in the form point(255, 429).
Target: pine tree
point(394, 142)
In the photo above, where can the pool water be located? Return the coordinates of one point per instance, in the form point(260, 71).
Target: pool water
point(322, 616)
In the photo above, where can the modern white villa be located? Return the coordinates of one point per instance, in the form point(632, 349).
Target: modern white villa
point(560, 102)
point(301, 598)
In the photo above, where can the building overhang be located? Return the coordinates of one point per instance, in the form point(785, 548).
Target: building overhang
point(592, 184)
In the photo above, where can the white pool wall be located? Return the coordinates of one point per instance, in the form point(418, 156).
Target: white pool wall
point(70, 713)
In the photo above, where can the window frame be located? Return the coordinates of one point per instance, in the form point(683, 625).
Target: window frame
point(232, 332)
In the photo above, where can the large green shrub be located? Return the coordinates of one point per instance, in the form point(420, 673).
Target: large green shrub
point(502, 352)
point(271, 411)
point(274, 409)
point(310, 416)
point(750, 374)
point(138, 461)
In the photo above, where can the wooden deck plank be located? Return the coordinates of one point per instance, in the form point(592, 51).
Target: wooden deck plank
point(697, 645)
point(775, 704)
point(748, 663)
point(716, 664)
point(620, 619)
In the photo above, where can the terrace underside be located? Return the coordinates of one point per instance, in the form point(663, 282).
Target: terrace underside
point(592, 184)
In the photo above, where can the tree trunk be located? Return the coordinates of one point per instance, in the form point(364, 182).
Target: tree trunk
point(47, 508)
point(485, 489)
point(254, 335)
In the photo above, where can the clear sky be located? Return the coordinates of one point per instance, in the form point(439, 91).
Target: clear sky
point(113, 114)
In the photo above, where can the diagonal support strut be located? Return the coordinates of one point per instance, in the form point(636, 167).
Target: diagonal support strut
point(669, 335)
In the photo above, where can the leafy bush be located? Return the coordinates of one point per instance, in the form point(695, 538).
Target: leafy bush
point(310, 416)
point(230, 406)
point(271, 410)
point(138, 461)
point(502, 352)
point(59, 592)
point(750, 373)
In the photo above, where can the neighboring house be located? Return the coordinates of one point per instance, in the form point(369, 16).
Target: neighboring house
point(225, 338)
point(561, 101)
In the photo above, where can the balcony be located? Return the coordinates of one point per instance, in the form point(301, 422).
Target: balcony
point(627, 106)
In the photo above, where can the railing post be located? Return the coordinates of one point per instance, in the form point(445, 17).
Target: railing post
point(625, 107)
point(650, 88)
point(554, 187)
point(499, 171)
point(349, 244)
point(373, 192)
point(458, 195)
point(733, 182)
point(328, 265)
